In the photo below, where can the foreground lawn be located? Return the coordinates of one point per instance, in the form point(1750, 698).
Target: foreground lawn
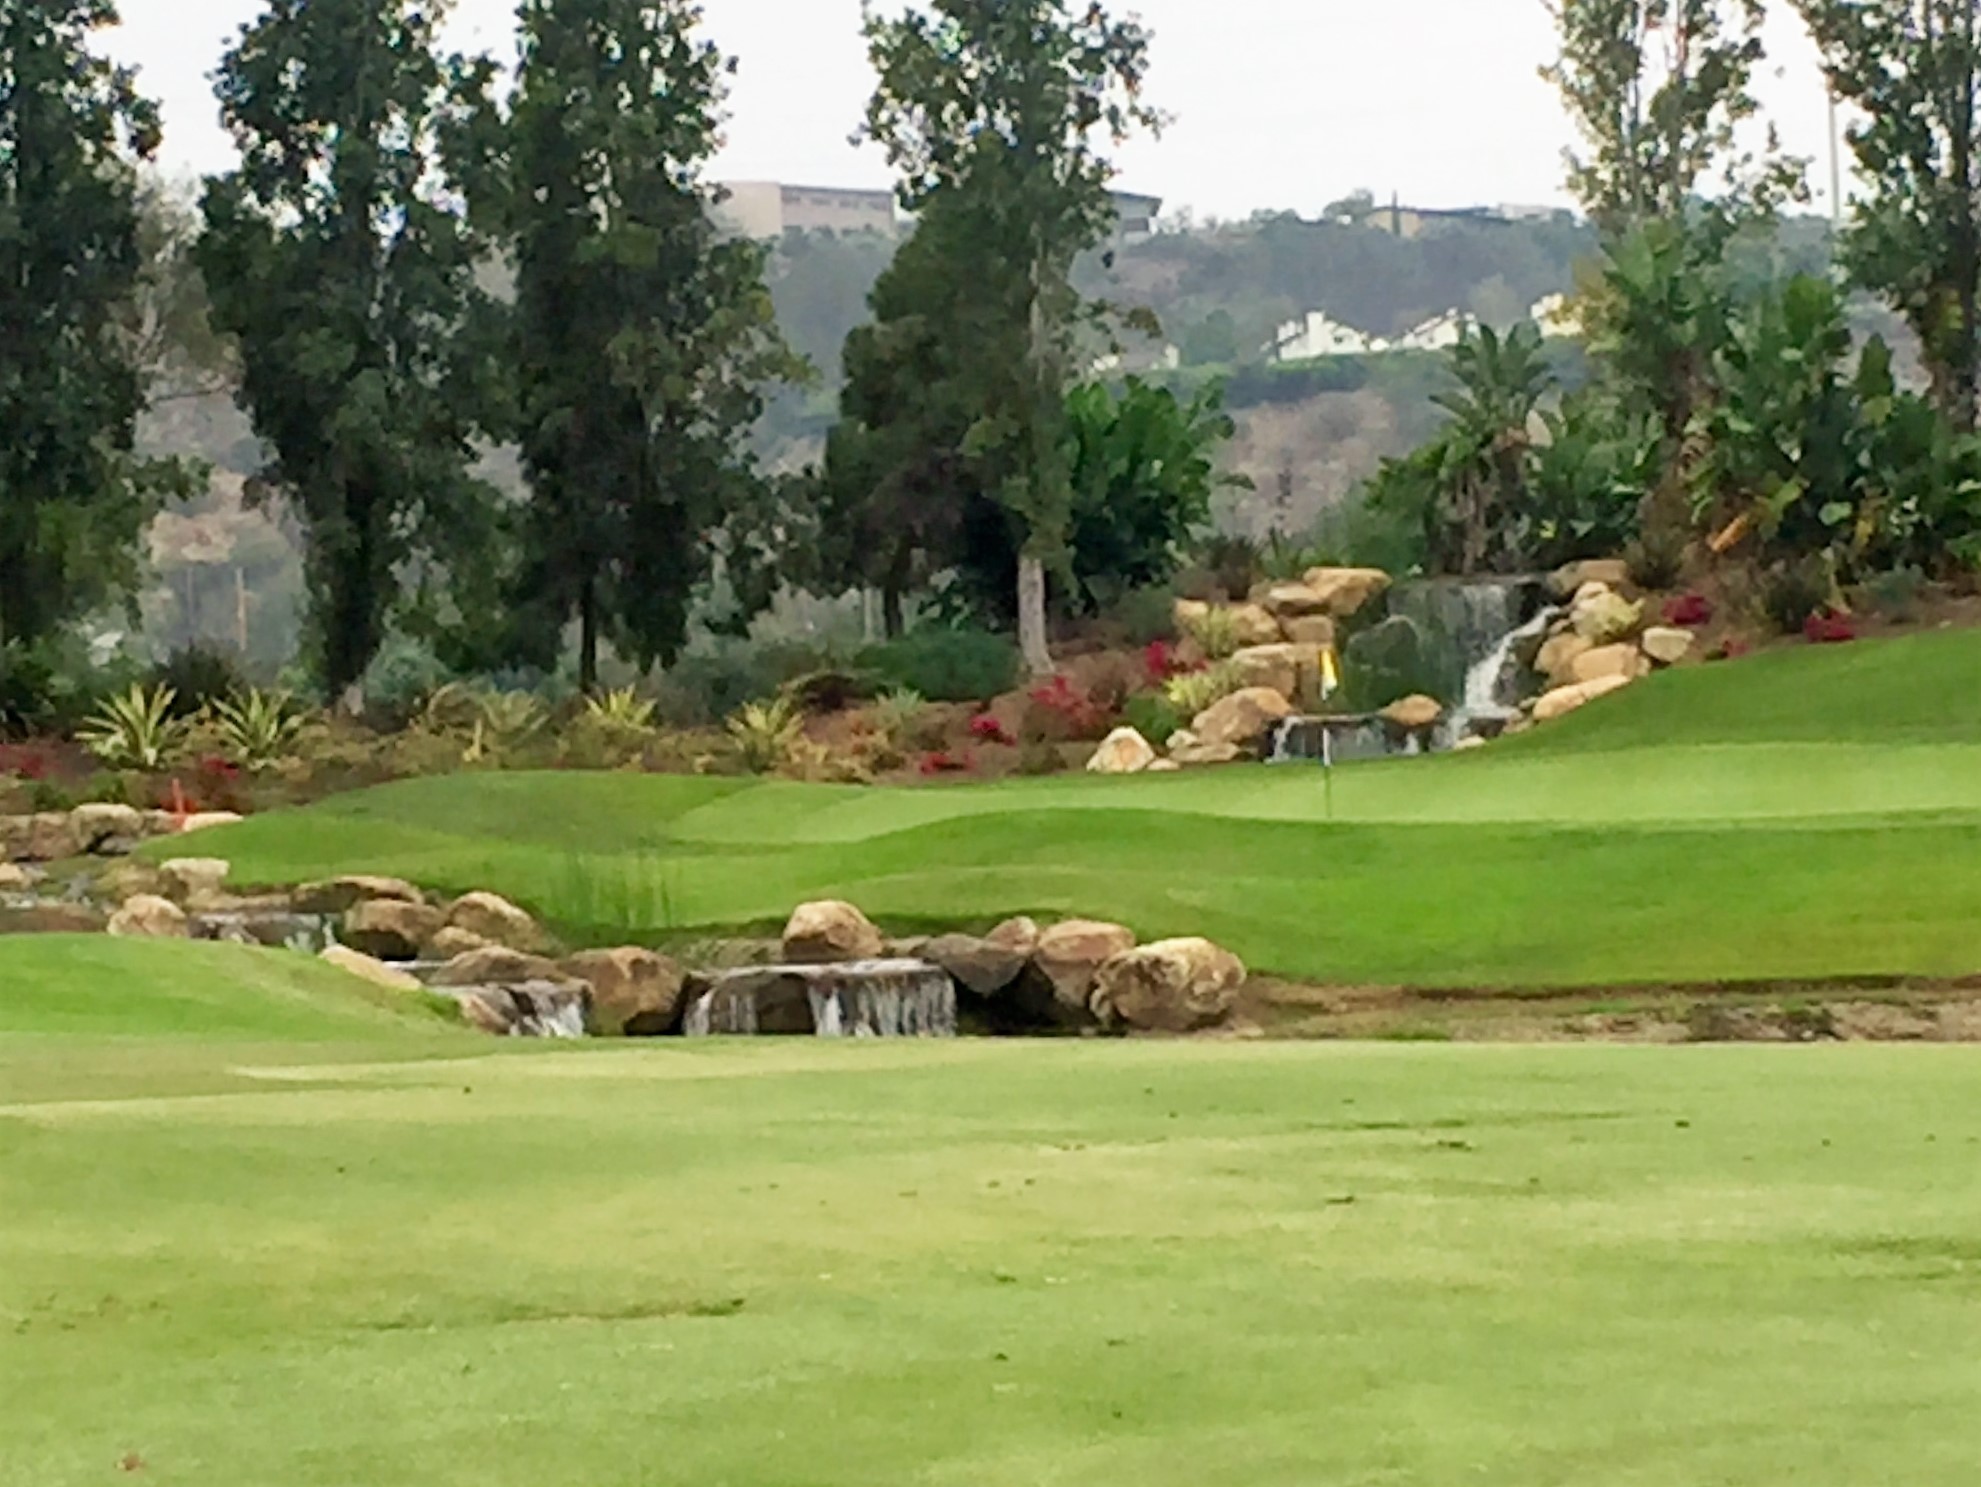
point(380, 1252)
point(1805, 815)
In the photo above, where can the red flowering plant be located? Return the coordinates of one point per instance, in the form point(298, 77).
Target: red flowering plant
point(1689, 611)
point(944, 762)
point(1829, 628)
point(986, 729)
point(23, 763)
point(1163, 662)
point(1060, 711)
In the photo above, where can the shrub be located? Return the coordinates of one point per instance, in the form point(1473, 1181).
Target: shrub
point(831, 691)
point(258, 730)
point(943, 762)
point(401, 678)
point(1058, 712)
point(947, 665)
point(1689, 611)
point(1655, 558)
point(28, 691)
point(765, 734)
point(1792, 593)
point(1216, 633)
point(1155, 717)
point(1897, 594)
point(1829, 629)
point(1237, 563)
point(136, 730)
point(986, 729)
point(1201, 690)
point(199, 677)
point(622, 711)
point(1041, 758)
point(1144, 616)
point(898, 716)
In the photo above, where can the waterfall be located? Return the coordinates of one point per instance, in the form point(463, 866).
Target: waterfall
point(863, 999)
point(1487, 696)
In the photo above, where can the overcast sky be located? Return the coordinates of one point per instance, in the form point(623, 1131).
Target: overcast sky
point(1278, 103)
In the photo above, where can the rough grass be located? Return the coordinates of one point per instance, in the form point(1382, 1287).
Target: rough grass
point(1808, 814)
point(378, 1259)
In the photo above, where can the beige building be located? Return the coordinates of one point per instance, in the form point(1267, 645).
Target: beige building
point(769, 209)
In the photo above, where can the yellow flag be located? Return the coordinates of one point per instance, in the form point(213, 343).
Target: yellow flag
point(1330, 674)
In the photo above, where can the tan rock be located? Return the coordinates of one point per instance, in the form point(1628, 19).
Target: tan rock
point(485, 1015)
point(1243, 720)
point(831, 932)
point(1566, 581)
point(1293, 601)
point(496, 965)
point(1172, 986)
point(48, 838)
point(496, 920)
point(1020, 934)
point(391, 929)
point(210, 820)
point(14, 878)
point(147, 917)
point(1667, 645)
point(1346, 592)
point(1165, 766)
point(635, 993)
point(1623, 659)
point(451, 942)
point(1288, 669)
point(1558, 655)
point(1187, 751)
point(126, 880)
point(1414, 713)
point(103, 828)
point(1602, 616)
point(341, 895)
point(1565, 700)
point(194, 882)
point(1188, 613)
point(1124, 751)
point(1317, 630)
point(1070, 955)
point(366, 968)
point(1254, 625)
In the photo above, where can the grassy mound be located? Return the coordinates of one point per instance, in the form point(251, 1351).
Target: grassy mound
point(1812, 814)
point(153, 989)
point(996, 1264)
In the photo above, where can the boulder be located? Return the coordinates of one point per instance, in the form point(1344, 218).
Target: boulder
point(1253, 624)
point(1414, 714)
point(1187, 614)
point(1242, 721)
point(1317, 630)
point(1602, 616)
point(1293, 601)
point(366, 968)
point(1558, 655)
point(148, 917)
point(830, 932)
point(451, 942)
point(209, 820)
point(1187, 751)
point(487, 1014)
point(1623, 659)
point(1565, 582)
point(126, 880)
point(1346, 592)
point(1069, 957)
point(496, 920)
point(341, 895)
point(48, 838)
point(1165, 766)
point(392, 929)
point(1667, 645)
point(1020, 934)
point(1124, 751)
point(1288, 669)
point(979, 966)
point(194, 882)
point(14, 878)
point(1565, 700)
point(1173, 986)
point(106, 830)
point(495, 965)
point(635, 993)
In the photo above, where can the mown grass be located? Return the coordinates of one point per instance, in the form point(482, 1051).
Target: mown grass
point(389, 1255)
point(1807, 814)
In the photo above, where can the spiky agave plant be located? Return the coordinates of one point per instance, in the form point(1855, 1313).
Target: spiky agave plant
point(766, 733)
point(258, 729)
point(135, 729)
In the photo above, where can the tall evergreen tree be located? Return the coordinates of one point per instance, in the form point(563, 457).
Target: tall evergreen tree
point(73, 497)
point(338, 256)
point(644, 337)
point(1913, 67)
point(1004, 105)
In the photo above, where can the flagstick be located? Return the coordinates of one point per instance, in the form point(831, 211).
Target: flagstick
point(1327, 765)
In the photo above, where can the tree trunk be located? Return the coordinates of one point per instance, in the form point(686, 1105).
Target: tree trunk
point(588, 637)
point(1032, 616)
point(892, 588)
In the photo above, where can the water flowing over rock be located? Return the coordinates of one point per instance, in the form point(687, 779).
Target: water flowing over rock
point(273, 927)
point(860, 999)
point(1341, 739)
point(535, 1009)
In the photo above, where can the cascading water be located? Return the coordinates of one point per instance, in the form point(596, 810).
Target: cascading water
point(1492, 686)
point(863, 999)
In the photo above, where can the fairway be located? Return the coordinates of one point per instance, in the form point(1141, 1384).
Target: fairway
point(1810, 814)
point(374, 1252)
